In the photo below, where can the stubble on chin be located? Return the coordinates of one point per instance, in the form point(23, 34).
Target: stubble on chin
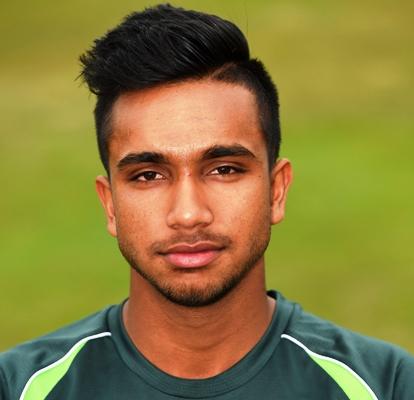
point(196, 295)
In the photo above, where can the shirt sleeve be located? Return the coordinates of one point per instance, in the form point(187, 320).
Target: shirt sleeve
point(3, 387)
point(404, 383)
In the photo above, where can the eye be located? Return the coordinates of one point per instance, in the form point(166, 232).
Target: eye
point(226, 170)
point(147, 176)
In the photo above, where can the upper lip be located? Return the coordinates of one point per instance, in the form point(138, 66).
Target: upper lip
point(194, 248)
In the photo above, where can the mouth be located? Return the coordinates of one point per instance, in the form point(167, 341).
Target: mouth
point(186, 256)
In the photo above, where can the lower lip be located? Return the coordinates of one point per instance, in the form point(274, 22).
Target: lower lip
point(192, 260)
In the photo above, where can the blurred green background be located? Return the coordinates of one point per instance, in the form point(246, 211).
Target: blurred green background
point(344, 71)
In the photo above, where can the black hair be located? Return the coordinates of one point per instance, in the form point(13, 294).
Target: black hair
point(166, 44)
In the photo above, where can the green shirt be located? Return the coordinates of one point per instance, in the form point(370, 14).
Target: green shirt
point(300, 356)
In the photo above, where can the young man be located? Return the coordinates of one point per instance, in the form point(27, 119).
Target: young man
point(188, 132)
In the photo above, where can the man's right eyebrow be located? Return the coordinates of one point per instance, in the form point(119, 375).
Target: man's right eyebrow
point(143, 157)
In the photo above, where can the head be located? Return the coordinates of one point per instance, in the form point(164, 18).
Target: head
point(188, 132)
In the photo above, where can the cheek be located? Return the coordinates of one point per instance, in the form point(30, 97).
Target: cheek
point(138, 218)
point(247, 209)
point(241, 208)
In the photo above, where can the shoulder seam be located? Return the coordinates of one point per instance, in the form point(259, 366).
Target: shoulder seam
point(60, 360)
point(335, 361)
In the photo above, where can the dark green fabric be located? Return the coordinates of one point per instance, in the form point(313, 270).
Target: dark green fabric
point(110, 367)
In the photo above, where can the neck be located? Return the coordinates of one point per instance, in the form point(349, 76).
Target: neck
point(198, 342)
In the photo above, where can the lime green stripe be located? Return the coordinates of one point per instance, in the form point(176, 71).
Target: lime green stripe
point(43, 383)
point(349, 383)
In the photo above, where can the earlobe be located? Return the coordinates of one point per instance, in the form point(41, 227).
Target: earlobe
point(103, 188)
point(281, 180)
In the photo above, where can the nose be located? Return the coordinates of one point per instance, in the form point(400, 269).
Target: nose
point(188, 207)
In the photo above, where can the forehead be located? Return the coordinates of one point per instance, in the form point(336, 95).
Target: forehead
point(183, 119)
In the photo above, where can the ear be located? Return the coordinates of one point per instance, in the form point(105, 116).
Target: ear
point(281, 179)
point(103, 188)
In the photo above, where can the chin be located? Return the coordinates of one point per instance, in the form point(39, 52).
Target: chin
point(198, 290)
point(194, 296)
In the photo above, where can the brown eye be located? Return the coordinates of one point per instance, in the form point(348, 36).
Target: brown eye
point(150, 175)
point(224, 170)
point(227, 170)
point(146, 176)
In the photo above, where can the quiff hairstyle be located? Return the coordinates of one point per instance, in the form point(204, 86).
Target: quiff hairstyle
point(165, 44)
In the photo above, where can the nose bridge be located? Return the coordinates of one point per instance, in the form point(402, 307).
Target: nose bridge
point(188, 204)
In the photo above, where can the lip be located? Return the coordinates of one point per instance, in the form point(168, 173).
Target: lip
point(193, 248)
point(192, 256)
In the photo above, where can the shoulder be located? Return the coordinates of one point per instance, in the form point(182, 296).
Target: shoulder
point(23, 362)
point(381, 368)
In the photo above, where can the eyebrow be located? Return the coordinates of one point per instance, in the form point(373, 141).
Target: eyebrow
point(143, 157)
point(213, 152)
point(223, 151)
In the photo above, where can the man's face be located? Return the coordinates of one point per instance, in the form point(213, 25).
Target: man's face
point(189, 167)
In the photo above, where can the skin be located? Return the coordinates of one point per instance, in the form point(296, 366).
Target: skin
point(186, 201)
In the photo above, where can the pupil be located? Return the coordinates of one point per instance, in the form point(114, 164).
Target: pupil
point(223, 170)
point(149, 175)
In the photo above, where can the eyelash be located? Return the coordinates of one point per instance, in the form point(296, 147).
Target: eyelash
point(236, 169)
point(135, 178)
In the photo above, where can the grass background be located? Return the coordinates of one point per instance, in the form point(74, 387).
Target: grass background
point(344, 73)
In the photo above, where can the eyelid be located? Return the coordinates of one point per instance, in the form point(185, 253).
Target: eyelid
point(134, 177)
point(235, 168)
